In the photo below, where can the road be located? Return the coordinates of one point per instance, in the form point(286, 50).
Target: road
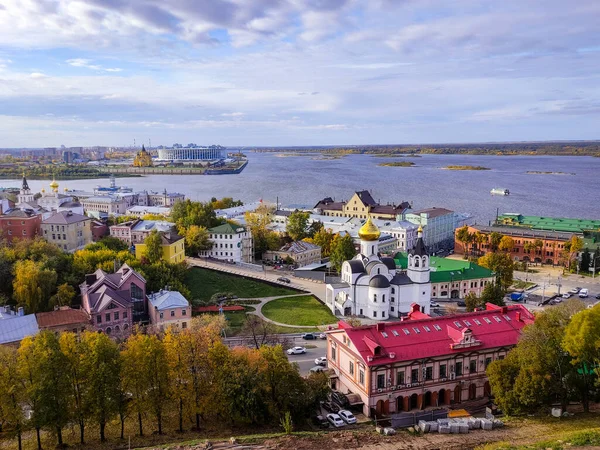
point(548, 283)
point(307, 360)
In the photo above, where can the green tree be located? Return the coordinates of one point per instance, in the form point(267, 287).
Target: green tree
point(472, 301)
point(492, 293)
point(12, 394)
point(502, 264)
point(297, 225)
point(65, 294)
point(153, 243)
point(586, 258)
point(33, 285)
point(314, 228)
point(28, 372)
point(571, 248)
point(264, 239)
point(494, 240)
point(196, 240)
point(186, 213)
point(506, 244)
point(324, 238)
point(342, 249)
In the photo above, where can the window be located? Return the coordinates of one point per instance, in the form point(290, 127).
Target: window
point(183, 312)
point(487, 320)
point(414, 376)
point(473, 366)
point(383, 298)
point(384, 334)
point(400, 377)
point(375, 298)
point(437, 328)
point(333, 353)
point(426, 328)
point(374, 313)
point(416, 330)
point(442, 370)
point(124, 314)
point(99, 318)
point(477, 321)
point(380, 381)
point(459, 369)
point(116, 315)
point(161, 315)
point(136, 292)
point(394, 332)
point(107, 317)
point(351, 367)
point(406, 331)
point(467, 323)
point(497, 319)
point(383, 314)
point(172, 313)
point(361, 377)
point(487, 362)
point(429, 373)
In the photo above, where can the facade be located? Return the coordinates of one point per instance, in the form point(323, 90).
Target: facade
point(114, 302)
point(52, 200)
point(423, 361)
point(190, 154)
point(108, 204)
point(372, 286)
point(230, 243)
point(19, 224)
point(64, 319)
point(68, 230)
point(453, 278)
point(438, 226)
point(25, 194)
point(169, 308)
point(553, 243)
point(360, 205)
point(142, 229)
point(122, 231)
point(575, 226)
point(140, 211)
point(302, 253)
point(15, 325)
point(163, 199)
point(173, 247)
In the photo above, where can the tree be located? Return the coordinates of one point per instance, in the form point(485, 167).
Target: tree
point(27, 365)
point(492, 293)
point(463, 236)
point(571, 248)
point(297, 225)
point(494, 240)
point(472, 301)
point(586, 258)
point(12, 394)
point(186, 213)
point(33, 285)
point(134, 375)
point(264, 239)
point(258, 329)
point(153, 243)
point(314, 228)
point(582, 341)
point(506, 244)
point(178, 371)
point(342, 249)
point(64, 296)
point(324, 238)
point(196, 240)
point(502, 264)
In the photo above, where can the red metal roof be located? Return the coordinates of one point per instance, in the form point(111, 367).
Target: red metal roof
point(436, 336)
point(215, 308)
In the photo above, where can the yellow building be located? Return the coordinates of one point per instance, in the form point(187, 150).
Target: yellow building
point(173, 247)
point(142, 159)
point(361, 205)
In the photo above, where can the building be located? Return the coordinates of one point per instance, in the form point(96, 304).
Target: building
point(142, 158)
point(64, 319)
point(552, 243)
point(301, 252)
point(115, 301)
point(173, 247)
point(163, 199)
point(108, 204)
point(20, 224)
point(25, 194)
point(424, 361)
point(438, 226)
point(142, 229)
point(140, 211)
point(167, 308)
point(52, 200)
point(68, 230)
point(230, 243)
point(452, 278)
point(99, 230)
point(360, 205)
point(575, 226)
point(190, 154)
point(122, 231)
point(15, 326)
point(371, 286)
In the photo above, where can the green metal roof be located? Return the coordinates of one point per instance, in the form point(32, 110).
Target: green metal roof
point(446, 269)
point(548, 223)
point(227, 228)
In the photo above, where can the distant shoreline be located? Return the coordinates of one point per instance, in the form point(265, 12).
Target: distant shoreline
point(537, 172)
point(465, 168)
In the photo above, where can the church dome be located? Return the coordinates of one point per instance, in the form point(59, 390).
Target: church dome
point(379, 281)
point(369, 231)
point(54, 184)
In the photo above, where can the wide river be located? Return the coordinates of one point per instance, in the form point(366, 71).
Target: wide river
point(303, 180)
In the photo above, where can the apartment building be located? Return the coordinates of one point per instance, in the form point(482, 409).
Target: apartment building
point(70, 231)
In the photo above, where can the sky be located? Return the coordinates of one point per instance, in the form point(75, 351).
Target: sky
point(297, 72)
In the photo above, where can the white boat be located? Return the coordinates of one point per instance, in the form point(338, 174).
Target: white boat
point(500, 191)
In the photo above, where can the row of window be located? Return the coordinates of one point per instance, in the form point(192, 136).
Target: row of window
point(107, 316)
point(9, 223)
point(24, 233)
point(183, 313)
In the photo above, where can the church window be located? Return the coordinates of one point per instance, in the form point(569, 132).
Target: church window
point(416, 262)
point(361, 312)
point(383, 298)
point(378, 271)
point(375, 298)
point(374, 313)
point(393, 291)
point(383, 314)
point(392, 308)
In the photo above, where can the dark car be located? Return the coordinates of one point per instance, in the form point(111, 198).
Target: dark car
point(309, 336)
point(340, 399)
point(461, 303)
point(330, 407)
point(321, 421)
point(598, 296)
point(284, 280)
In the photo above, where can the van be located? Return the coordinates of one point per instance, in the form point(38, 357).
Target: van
point(583, 293)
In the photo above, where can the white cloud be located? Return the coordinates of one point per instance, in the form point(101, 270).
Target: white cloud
point(86, 63)
point(38, 75)
point(233, 114)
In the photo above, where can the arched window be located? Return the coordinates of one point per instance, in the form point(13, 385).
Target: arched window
point(393, 291)
point(125, 327)
point(383, 298)
point(109, 330)
point(375, 298)
point(378, 271)
point(416, 261)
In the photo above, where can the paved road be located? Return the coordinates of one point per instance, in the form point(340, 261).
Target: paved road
point(307, 360)
point(548, 283)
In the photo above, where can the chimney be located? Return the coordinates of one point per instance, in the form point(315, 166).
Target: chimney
point(415, 307)
point(21, 311)
point(380, 326)
point(518, 316)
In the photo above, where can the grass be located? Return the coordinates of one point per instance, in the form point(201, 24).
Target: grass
point(203, 283)
point(236, 319)
point(520, 284)
point(304, 311)
point(466, 168)
point(397, 164)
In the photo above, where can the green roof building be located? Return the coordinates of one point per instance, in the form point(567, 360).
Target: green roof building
point(577, 226)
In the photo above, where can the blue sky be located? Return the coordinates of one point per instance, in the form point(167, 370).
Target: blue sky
point(297, 72)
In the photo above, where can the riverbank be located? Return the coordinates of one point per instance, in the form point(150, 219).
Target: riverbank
point(397, 164)
point(466, 168)
point(537, 172)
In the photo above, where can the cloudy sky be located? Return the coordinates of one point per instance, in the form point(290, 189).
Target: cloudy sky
point(297, 72)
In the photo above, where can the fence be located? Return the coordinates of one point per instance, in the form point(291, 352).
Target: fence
point(408, 419)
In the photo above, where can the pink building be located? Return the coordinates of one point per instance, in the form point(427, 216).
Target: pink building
point(114, 301)
point(169, 308)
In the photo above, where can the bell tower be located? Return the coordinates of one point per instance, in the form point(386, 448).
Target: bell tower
point(25, 194)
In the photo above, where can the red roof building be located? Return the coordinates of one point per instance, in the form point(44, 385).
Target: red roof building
point(423, 361)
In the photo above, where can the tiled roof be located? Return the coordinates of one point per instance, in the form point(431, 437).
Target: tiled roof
point(61, 317)
point(447, 269)
point(65, 218)
point(389, 342)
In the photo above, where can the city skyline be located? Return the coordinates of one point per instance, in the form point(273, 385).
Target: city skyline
point(321, 72)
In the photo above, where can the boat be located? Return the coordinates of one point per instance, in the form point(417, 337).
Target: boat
point(113, 188)
point(500, 191)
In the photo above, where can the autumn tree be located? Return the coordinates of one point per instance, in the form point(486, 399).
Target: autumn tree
point(12, 394)
point(586, 257)
point(571, 248)
point(494, 240)
point(178, 370)
point(28, 372)
point(33, 285)
point(196, 240)
point(258, 330)
point(342, 249)
point(297, 225)
point(65, 294)
point(259, 222)
point(472, 301)
point(153, 251)
point(492, 293)
point(464, 237)
point(506, 244)
point(134, 375)
point(502, 264)
point(323, 238)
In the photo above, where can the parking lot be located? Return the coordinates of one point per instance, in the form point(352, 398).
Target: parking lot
point(306, 361)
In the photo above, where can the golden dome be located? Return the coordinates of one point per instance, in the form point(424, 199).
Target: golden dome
point(54, 184)
point(420, 229)
point(66, 189)
point(369, 231)
point(43, 190)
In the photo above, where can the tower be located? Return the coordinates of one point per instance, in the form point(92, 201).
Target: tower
point(369, 239)
point(418, 261)
point(25, 195)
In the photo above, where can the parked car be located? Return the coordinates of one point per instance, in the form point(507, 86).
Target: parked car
point(321, 421)
point(598, 296)
point(296, 351)
point(317, 369)
point(434, 304)
point(461, 303)
point(566, 295)
point(284, 280)
point(308, 336)
point(335, 420)
point(583, 293)
point(347, 416)
point(340, 399)
point(321, 361)
point(330, 407)
point(575, 290)
point(322, 336)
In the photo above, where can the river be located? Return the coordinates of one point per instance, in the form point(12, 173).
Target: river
point(303, 180)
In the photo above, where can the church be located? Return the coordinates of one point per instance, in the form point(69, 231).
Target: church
point(373, 287)
point(48, 202)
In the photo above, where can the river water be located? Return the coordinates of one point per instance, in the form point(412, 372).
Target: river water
point(303, 180)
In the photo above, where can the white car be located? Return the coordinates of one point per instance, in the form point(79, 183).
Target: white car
point(321, 361)
point(583, 293)
point(434, 304)
point(566, 295)
point(347, 416)
point(296, 351)
point(335, 420)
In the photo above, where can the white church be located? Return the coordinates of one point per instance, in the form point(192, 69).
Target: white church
point(372, 286)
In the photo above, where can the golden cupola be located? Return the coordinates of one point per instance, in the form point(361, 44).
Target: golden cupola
point(369, 231)
point(54, 185)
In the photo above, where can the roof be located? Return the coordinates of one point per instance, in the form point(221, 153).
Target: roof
point(170, 238)
point(438, 336)
point(227, 228)
point(419, 248)
point(215, 308)
point(524, 232)
point(329, 204)
point(65, 218)
point(447, 269)
point(390, 209)
point(389, 262)
point(16, 328)
point(167, 299)
point(103, 199)
point(103, 288)
point(356, 265)
point(379, 281)
point(283, 212)
point(433, 212)
point(149, 225)
point(548, 223)
point(61, 317)
point(299, 247)
point(366, 198)
point(19, 213)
